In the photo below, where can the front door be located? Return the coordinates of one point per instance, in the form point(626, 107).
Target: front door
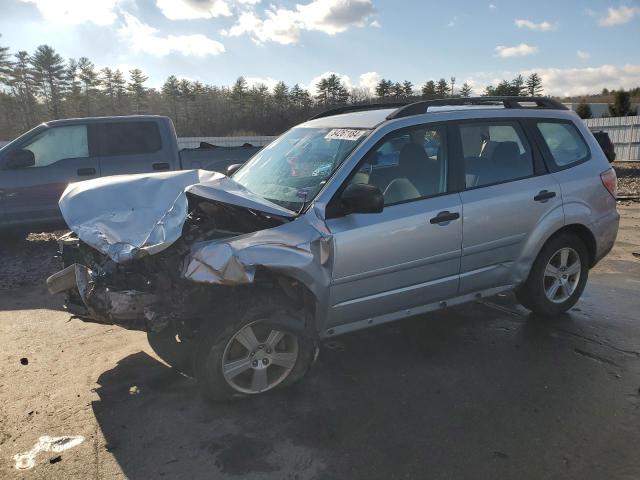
point(409, 254)
point(30, 195)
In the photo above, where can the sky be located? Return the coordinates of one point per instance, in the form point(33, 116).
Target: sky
point(577, 47)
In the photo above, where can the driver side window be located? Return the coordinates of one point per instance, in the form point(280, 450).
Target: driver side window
point(58, 143)
point(409, 165)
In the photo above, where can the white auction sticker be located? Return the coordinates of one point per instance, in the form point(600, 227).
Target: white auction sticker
point(344, 134)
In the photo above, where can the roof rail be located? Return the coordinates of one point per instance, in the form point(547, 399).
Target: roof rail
point(358, 108)
point(419, 108)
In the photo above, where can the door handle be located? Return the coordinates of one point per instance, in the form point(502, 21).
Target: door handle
point(544, 195)
point(161, 166)
point(445, 216)
point(83, 172)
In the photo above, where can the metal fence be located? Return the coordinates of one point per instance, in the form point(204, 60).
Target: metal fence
point(194, 142)
point(624, 133)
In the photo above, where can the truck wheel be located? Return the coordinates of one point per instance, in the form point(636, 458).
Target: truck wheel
point(177, 354)
point(558, 276)
point(250, 356)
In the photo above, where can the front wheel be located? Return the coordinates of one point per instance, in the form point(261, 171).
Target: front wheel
point(251, 356)
point(557, 278)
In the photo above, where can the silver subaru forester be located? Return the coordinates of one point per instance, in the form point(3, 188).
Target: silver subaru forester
point(360, 216)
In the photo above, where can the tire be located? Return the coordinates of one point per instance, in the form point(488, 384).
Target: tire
point(219, 345)
point(178, 354)
point(553, 288)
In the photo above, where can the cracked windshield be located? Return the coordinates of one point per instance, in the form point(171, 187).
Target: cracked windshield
point(292, 170)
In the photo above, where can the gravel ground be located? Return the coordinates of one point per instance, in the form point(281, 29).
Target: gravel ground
point(628, 177)
point(28, 261)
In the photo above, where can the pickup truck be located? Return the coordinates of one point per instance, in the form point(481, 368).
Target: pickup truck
point(36, 167)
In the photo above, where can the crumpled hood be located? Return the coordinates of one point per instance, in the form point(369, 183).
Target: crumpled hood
point(130, 216)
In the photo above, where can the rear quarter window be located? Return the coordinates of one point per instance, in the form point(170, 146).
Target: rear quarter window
point(565, 143)
point(127, 138)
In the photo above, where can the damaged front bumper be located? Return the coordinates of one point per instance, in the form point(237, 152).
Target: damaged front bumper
point(130, 309)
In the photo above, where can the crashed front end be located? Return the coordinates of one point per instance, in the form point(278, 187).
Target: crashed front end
point(147, 251)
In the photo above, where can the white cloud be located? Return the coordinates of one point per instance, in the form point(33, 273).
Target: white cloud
point(375, 23)
point(145, 38)
point(617, 16)
point(268, 81)
point(583, 54)
point(284, 25)
point(73, 12)
point(492, 6)
point(521, 50)
point(192, 9)
point(582, 81)
point(452, 23)
point(369, 81)
point(542, 26)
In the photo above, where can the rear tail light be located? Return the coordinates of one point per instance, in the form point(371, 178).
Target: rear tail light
point(610, 181)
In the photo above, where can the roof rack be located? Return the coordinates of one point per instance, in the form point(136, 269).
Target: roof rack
point(419, 108)
point(359, 108)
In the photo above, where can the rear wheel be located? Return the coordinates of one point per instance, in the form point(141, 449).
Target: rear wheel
point(558, 276)
point(252, 355)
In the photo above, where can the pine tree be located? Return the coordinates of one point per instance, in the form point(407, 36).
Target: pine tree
point(89, 78)
point(23, 87)
point(5, 65)
point(50, 73)
point(621, 106)
point(429, 90)
point(465, 91)
point(518, 87)
point(171, 90)
point(73, 92)
point(383, 89)
point(137, 89)
point(397, 90)
point(534, 85)
point(584, 110)
point(119, 90)
point(442, 88)
point(408, 88)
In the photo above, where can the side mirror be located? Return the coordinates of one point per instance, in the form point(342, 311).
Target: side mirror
point(362, 198)
point(231, 169)
point(21, 159)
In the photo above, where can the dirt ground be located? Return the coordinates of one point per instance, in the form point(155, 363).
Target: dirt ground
point(479, 391)
point(628, 178)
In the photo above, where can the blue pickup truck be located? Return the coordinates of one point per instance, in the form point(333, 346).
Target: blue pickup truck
point(36, 167)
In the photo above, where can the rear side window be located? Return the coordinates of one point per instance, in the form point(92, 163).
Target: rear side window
point(494, 153)
point(126, 138)
point(565, 143)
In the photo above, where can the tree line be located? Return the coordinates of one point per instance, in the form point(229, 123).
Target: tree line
point(39, 86)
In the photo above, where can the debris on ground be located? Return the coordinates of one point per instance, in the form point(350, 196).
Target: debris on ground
point(628, 174)
point(134, 390)
point(55, 459)
point(27, 460)
point(28, 260)
point(24, 361)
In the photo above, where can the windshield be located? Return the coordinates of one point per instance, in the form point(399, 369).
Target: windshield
point(292, 170)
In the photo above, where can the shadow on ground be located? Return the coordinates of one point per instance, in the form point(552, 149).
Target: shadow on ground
point(479, 391)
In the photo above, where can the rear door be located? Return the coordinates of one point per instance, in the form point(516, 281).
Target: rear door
point(403, 257)
point(134, 146)
point(508, 195)
point(31, 194)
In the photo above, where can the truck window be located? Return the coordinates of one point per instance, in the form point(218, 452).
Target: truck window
point(58, 143)
point(126, 138)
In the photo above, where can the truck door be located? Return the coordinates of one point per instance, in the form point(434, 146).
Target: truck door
point(30, 190)
point(132, 147)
